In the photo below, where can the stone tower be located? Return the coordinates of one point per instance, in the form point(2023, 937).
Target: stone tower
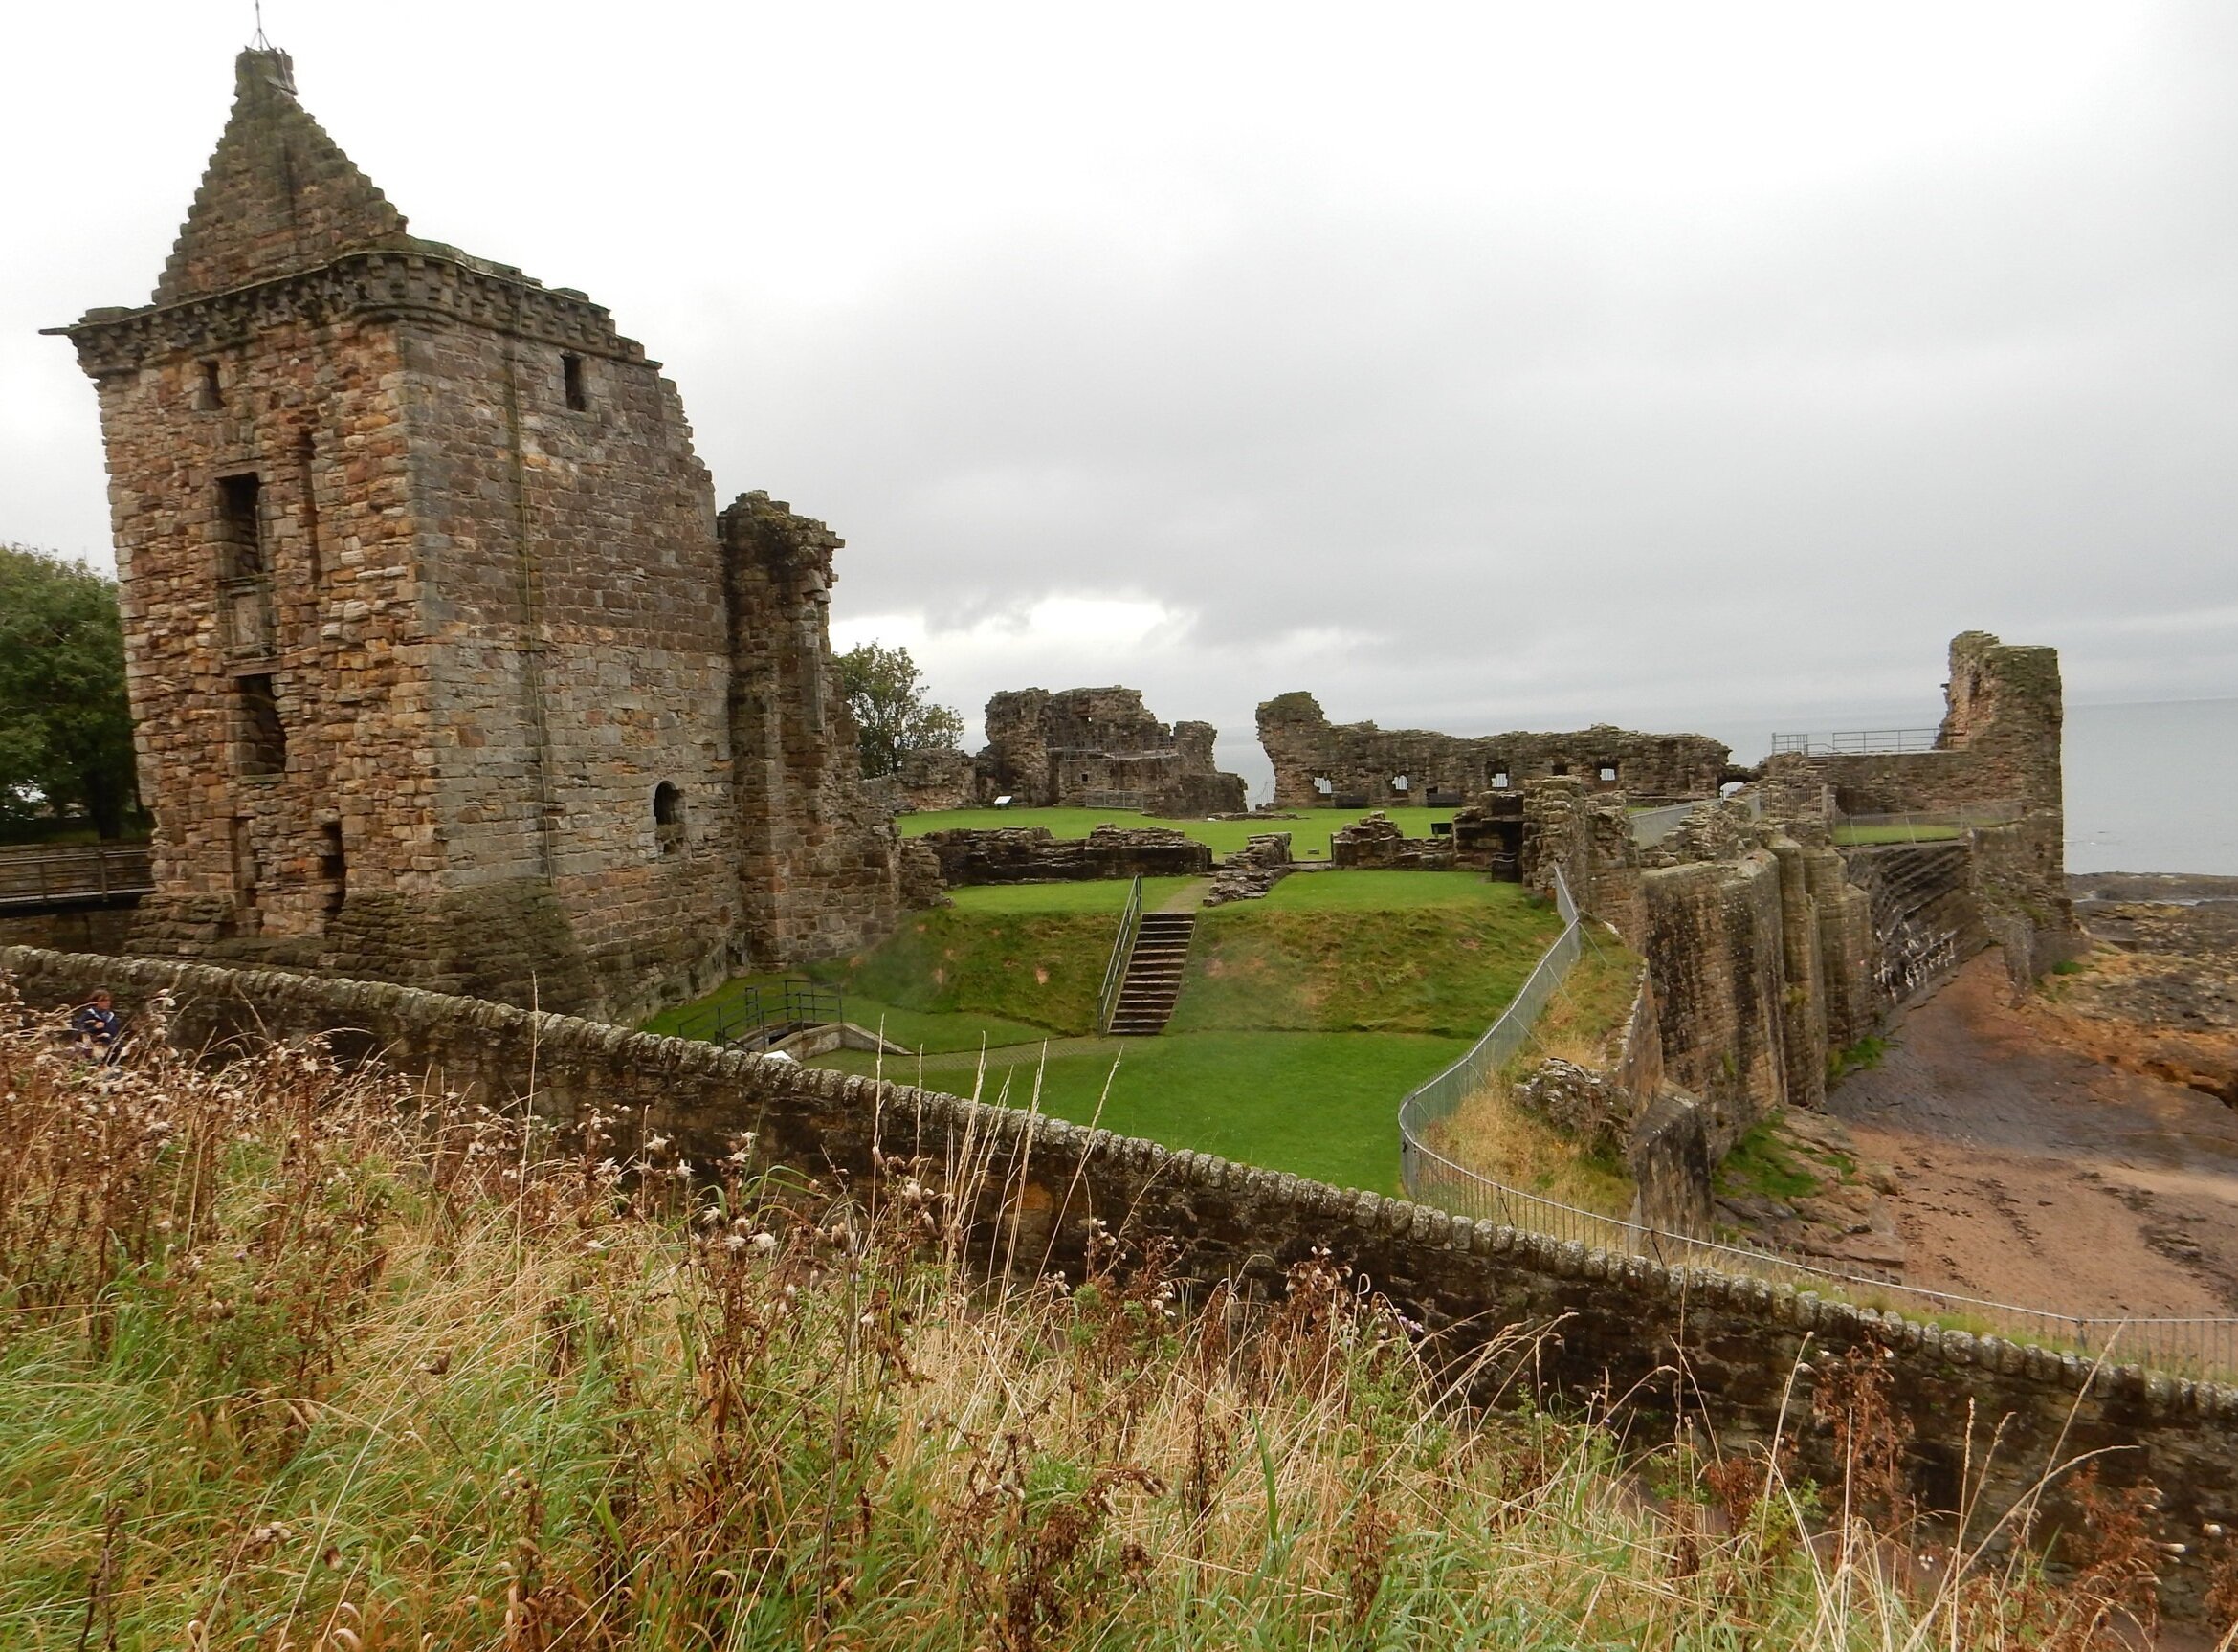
point(431, 637)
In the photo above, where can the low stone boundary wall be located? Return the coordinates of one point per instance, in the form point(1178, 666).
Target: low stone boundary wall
point(1673, 1342)
point(1030, 854)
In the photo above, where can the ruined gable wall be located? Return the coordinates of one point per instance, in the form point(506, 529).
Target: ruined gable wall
point(1739, 1353)
point(278, 194)
point(1362, 759)
point(818, 860)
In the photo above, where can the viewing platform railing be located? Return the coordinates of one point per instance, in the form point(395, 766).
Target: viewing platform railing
point(1858, 742)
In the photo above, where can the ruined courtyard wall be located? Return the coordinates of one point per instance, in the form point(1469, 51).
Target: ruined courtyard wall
point(1740, 1354)
point(1364, 760)
point(1030, 854)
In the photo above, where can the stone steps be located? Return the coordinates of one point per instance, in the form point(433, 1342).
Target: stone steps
point(1152, 985)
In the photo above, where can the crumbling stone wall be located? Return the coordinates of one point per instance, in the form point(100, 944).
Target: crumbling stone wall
point(1376, 839)
point(1998, 743)
point(1084, 747)
point(1359, 760)
point(1738, 1354)
point(424, 609)
point(1030, 854)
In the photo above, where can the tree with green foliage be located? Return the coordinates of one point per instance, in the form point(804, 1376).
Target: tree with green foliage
point(893, 718)
point(65, 725)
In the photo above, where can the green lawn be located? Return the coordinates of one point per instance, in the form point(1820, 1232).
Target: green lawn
point(1308, 834)
point(1323, 1105)
point(1410, 952)
point(1926, 831)
point(1303, 1016)
point(935, 1032)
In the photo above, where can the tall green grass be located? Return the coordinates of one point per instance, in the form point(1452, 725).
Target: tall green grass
point(295, 1357)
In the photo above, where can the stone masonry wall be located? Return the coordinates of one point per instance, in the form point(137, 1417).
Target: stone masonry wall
point(1030, 854)
point(1359, 759)
point(1740, 1354)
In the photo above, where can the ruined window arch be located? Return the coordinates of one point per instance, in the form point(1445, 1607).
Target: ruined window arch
point(668, 817)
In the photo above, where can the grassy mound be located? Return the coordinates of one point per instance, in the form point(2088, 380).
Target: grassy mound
point(290, 1357)
point(1366, 951)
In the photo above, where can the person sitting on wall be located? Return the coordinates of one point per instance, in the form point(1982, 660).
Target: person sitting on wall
point(96, 1024)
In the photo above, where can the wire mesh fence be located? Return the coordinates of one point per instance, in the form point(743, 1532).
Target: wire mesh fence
point(1437, 1099)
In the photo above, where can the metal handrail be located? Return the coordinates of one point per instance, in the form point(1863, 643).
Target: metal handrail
point(1859, 743)
point(1123, 952)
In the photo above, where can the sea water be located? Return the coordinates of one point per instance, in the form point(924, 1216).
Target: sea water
point(2153, 787)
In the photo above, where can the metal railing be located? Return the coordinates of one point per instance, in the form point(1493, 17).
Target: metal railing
point(95, 871)
point(1122, 951)
point(765, 1013)
point(1858, 742)
point(1437, 1099)
point(1124, 802)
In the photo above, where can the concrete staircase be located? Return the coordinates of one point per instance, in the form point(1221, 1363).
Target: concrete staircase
point(1148, 995)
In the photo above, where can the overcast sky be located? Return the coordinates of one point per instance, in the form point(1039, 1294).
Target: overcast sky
point(1473, 367)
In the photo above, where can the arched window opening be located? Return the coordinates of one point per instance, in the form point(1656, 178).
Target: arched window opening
point(668, 817)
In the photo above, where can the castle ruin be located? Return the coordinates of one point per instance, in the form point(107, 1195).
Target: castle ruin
point(1100, 748)
point(443, 668)
point(1320, 764)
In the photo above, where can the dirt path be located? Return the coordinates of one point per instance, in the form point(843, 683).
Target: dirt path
point(2032, 1174)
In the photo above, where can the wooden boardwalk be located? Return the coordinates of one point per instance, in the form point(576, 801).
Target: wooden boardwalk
point(34, 877)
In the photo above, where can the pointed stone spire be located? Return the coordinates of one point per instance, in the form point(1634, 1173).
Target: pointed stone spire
point(279, 195)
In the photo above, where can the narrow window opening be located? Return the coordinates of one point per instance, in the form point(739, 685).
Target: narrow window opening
point(263, 735)
point(571, 379)
point(1499, 781)
point(240, 530)
point(1399, 783)
point(1561, 768)
point(1323, 784)
point(306, 456)
point(244, 847)
point(210, 394)
point(333, 869)
point(668, 817)
point(1608, 771)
